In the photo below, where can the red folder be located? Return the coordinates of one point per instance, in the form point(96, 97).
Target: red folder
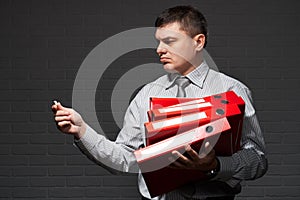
point(161, 108)
point(161, 102)
point(153, 160)
point(226, 111)
point(163, 129)
point(178, 109)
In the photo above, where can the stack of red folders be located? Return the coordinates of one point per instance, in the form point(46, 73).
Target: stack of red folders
point(176, 122)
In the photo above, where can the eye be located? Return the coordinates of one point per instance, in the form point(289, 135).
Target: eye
point(168, 40)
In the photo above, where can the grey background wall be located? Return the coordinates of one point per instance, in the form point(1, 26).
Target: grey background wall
point(43, 43)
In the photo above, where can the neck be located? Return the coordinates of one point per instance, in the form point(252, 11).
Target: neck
point(192, 66)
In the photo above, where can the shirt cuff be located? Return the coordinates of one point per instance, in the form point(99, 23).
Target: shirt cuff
point(88, 140)
point(226, 169)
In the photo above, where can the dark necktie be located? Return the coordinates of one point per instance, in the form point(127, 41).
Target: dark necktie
point(182, 82)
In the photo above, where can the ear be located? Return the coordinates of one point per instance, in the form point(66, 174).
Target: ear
point(200, 40)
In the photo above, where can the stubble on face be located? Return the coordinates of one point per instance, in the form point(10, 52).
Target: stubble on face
point(176, 49)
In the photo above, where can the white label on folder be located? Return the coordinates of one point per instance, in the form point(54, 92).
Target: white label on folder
point(169, 144)
point(179, 120)
point(182, 139)
point(188, 103)
point(187, 107)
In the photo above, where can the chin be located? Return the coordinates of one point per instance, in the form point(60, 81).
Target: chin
point(170, 68)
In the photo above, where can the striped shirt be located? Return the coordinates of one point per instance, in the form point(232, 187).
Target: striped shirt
point(248, 163)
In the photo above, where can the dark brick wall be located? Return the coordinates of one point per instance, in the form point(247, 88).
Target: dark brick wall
point(43, 43)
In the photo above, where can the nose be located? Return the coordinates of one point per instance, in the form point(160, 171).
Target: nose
point(161, 49)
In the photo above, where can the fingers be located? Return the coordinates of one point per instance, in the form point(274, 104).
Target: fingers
point(57, 106)
point(192, 153)
point(54, 108)
point(64, 123)
point(191, 159)
point(68, 120)
point(67, 127)
point(208, 147)
point(63, 118)
point(180, 157)
point(178, 160)
point(62, 113)
point(207, 150)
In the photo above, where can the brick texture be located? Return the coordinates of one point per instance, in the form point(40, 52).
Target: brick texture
point(44, 42)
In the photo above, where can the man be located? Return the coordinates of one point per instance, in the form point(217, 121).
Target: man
point(182, 35)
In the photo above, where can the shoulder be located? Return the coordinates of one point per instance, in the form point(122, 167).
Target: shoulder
point(241, 90)
point(150, 89)
point(231, 81)
point(160, 81)
point(156, 85)
point(228, 82)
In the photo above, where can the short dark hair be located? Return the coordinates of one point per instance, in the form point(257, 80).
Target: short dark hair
point(190, 19)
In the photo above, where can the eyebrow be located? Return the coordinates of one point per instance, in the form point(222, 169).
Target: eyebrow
point(168, 38)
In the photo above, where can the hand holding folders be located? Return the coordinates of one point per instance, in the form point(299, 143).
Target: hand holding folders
point(175, 123)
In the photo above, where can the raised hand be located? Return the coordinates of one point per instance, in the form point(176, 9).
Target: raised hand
point(68, 120)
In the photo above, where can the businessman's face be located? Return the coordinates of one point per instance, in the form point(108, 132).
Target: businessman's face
point(176, 49)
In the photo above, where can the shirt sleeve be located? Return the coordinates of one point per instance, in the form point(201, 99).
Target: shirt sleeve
point(117, 155)
point(250, 162)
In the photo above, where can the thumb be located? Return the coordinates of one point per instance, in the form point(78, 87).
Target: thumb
point(59, 106)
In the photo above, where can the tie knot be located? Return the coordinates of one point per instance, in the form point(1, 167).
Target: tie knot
point(182, 81)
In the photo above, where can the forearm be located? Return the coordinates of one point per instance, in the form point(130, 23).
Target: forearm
point(250, 162)
point(246, 164)
point(106, 153)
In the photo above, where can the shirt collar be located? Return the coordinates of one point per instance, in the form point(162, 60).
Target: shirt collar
point(197, 76)
point(172, 77)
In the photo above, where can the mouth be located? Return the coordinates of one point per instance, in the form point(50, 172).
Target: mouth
point(165, 60)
